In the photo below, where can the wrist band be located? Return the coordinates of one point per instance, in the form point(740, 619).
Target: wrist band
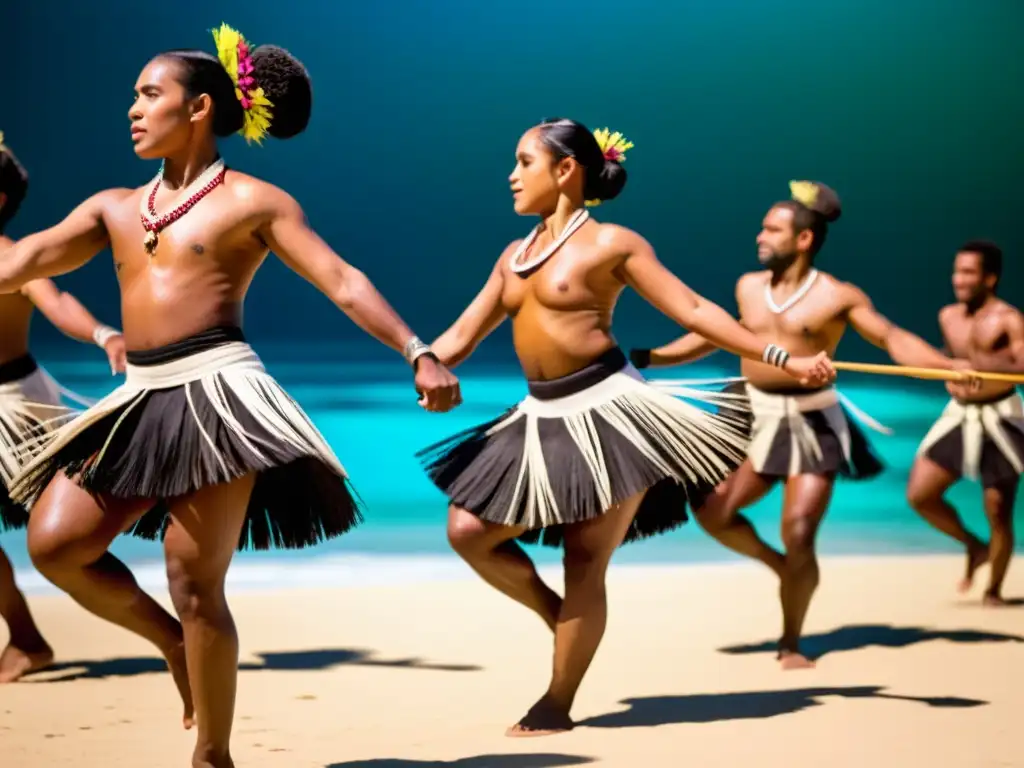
point(775, 355)
point(640, 358)
point(103, 334)
point(414, 350)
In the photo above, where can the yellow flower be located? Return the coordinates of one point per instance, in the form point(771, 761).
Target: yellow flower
point(804, 192)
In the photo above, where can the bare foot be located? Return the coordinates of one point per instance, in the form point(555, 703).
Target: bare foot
point(543, 719)
point(976, 558)
point(993, 601)
point(198, 762)
point(793, 660)
point(15, 663)
point(179, 671)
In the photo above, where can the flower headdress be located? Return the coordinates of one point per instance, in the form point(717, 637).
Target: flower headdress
point(614, 147)
point(233, 50)
point(804, 192)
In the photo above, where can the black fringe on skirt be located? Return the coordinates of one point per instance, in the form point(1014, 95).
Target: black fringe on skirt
point(864, 463)
point(12, 515)
point(995, 469)
point(478, 472)
point(159, 452)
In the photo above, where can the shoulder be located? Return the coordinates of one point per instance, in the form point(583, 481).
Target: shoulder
point(751, 280)
point(847, 295)
point(620, 241)
point(261, 196)
point(502, 263)
point(111, 198)
point(1009, 313)
point(950, 312)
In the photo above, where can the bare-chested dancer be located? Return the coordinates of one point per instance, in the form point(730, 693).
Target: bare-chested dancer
point(201, 445)
point(594, 456)
point(30, 404)
point(801, 436)
point(980, 434)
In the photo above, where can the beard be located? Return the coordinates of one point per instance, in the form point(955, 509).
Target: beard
point(778, 261)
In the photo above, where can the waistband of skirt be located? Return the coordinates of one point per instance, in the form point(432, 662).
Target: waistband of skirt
point(17, 369)
point(602, 367)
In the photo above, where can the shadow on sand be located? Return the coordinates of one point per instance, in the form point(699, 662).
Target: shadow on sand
point(481, 761)
point(857, 636)
point(752, 705)
point(276, 661)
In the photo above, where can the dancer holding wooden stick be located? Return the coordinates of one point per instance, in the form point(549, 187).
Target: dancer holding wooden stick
point(980, 434)
point(801, 436)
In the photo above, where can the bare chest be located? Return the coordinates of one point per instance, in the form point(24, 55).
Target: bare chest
point(208, 233)
point(812, 316)
point(968, 337)
point(571, 279)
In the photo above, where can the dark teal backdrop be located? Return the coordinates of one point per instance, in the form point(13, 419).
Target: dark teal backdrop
point(912, 110)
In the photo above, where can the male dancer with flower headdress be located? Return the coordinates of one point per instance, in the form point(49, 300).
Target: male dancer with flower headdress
point(802, 437)
point(30, 405)
point(200, 447)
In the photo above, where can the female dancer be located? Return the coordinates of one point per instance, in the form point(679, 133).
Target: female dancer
point(200, 445)
point(593, 456)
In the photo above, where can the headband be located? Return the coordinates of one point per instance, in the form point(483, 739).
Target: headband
point(235, 57)
point(613, 147)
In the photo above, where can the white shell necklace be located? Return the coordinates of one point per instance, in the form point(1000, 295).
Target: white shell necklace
point(797, 295)
point(571, 226)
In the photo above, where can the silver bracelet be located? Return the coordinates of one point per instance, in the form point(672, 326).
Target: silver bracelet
point(414, 350)
point(775, 355)
point(103, 334)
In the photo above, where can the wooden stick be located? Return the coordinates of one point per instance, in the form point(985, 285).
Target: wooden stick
point(935, 374)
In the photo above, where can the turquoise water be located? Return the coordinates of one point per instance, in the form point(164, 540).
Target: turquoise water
point(367, 411)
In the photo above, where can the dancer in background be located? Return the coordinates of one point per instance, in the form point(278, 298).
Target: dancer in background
point(801, 436)
point(980, 434)
point(200, 446)
point(30, 405)
point(594, 456)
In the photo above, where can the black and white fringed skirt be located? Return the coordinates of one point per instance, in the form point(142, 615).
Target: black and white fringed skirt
point(982, 441)
point(580, 444)
point(30, 407)
point(195, 413)
point(806, 432)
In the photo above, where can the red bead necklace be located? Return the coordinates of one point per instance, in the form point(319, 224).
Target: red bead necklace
point(153, 223)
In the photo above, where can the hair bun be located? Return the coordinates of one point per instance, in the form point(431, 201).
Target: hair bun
point(285, 83)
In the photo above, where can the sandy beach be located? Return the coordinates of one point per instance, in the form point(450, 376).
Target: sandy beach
point(910, 673)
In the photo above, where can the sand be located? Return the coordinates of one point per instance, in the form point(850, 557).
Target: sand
point(910, 674)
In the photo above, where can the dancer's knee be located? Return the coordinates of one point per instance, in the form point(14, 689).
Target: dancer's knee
point(798, 534)
point(58, 550)
point(585, 566)
point(468, 535)
point(196, 588)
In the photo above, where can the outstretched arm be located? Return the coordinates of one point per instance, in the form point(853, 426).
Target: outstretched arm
point(59, 249)
point(480, 318)
point(671, 296)
point(903, 346)
point(686, 349)
point(63, 310)
point(289, 236)
point(287, 233)
point(66, 313)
